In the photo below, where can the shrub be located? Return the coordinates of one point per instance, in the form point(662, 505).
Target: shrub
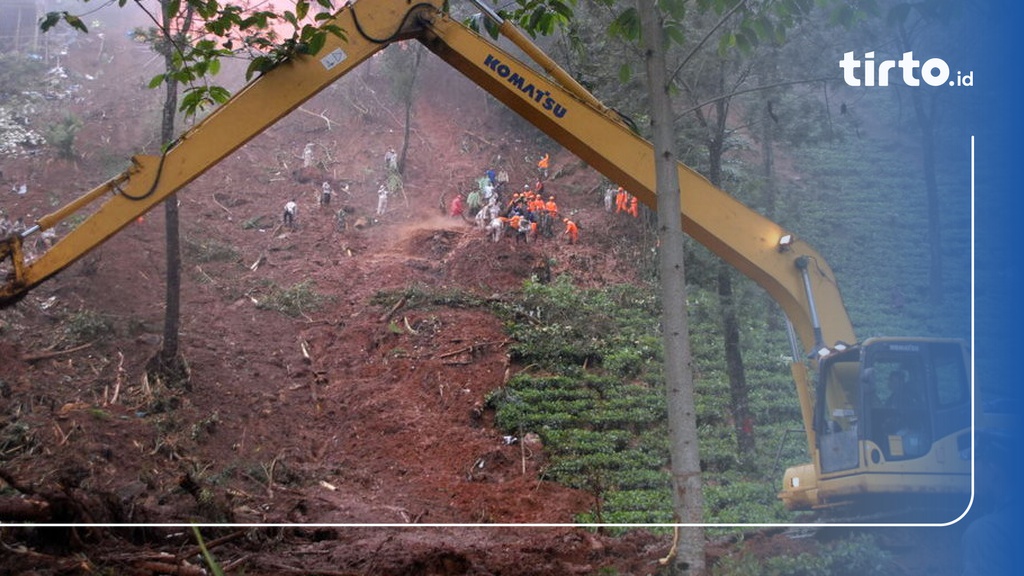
point(86, 326)
point(61, 135)
point(293, 301)
point(858, 555)
point(209, 250)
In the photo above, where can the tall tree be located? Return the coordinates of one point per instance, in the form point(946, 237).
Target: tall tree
point(913, 22)
point(169, 362)
point(747, 35)
point(403, 63)
point(687, 495)
point(713, 119)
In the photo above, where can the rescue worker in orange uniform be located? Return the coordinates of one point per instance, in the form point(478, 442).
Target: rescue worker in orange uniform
point(634, 207)
point(551, 206)
point(543, 164)
point(549, 210)
point(620, 200)
point(571, 230)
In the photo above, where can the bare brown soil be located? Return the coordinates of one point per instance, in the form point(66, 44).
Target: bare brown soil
point(295, 429)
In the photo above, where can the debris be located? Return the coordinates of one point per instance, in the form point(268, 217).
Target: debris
point(405, 320)
point(389, 313)
point(322, 116)
point(55, 353)
point(472, 348)
point(672, 551)
point(259, 262)
point(119, 378)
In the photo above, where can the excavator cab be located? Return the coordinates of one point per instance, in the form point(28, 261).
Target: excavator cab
point(892, 418)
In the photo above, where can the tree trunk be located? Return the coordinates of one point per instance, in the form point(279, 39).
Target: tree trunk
point(766, 77)
point(172, 311)
point(411, 90)
point(687, 497)
point(169, 362)
point(739, 392)
point(926, 124)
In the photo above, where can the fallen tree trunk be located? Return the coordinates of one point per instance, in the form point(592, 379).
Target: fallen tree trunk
point(20, 509)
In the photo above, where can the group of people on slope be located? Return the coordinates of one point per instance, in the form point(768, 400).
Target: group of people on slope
point(326, 192)
point(527, 215)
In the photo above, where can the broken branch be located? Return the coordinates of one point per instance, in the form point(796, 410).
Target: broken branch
point(222, 207)
point(46, 355)
point(472, 348)
point(389, 313)
point(321, 115)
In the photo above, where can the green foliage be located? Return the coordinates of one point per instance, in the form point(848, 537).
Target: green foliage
point(557, 324)
point(541, 16)
point(599, 404)
point(401, 68)
point(425, 297)
point(61, 134)
point(100, 414)
point(394, 182)
point(626, 25)
point(854, 556)
point(85, 326)
point(51, 19)
point(215, 568)
point(733, 500)
point(293, 301)
point(227, 30)
point(209, 250)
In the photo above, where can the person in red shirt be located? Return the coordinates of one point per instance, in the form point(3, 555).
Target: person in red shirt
point(457, 206)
